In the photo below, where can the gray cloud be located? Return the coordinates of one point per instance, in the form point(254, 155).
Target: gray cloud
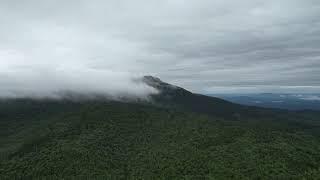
point(206, 46)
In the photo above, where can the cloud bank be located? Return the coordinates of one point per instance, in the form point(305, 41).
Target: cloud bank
point(206, 46)
point(61, 82)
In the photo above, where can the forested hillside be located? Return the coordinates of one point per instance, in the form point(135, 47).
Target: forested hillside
point(106, 139)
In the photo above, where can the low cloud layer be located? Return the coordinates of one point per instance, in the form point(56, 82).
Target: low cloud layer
point(205, 46)
point(59, 82)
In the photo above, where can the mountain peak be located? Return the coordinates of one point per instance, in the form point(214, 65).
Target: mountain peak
point(157, 83)
point(151, 79)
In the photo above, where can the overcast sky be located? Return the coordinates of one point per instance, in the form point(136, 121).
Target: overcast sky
point(207, 46)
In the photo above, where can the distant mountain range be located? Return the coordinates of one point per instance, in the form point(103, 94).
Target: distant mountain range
point(177, 134)
point(271, 100)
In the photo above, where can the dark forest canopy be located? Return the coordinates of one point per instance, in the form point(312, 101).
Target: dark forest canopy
point(176, 135)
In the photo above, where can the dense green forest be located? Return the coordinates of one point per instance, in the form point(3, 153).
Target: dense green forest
point(121, 140)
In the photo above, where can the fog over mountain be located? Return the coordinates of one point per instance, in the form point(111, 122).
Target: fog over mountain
point(61, 83)
point(205, 46)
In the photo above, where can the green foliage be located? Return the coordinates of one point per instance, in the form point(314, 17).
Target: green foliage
point(111, 140)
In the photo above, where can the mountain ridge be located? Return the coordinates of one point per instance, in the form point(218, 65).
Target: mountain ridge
point(174, 96)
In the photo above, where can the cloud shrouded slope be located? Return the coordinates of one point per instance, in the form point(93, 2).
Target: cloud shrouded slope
point(206, 46)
